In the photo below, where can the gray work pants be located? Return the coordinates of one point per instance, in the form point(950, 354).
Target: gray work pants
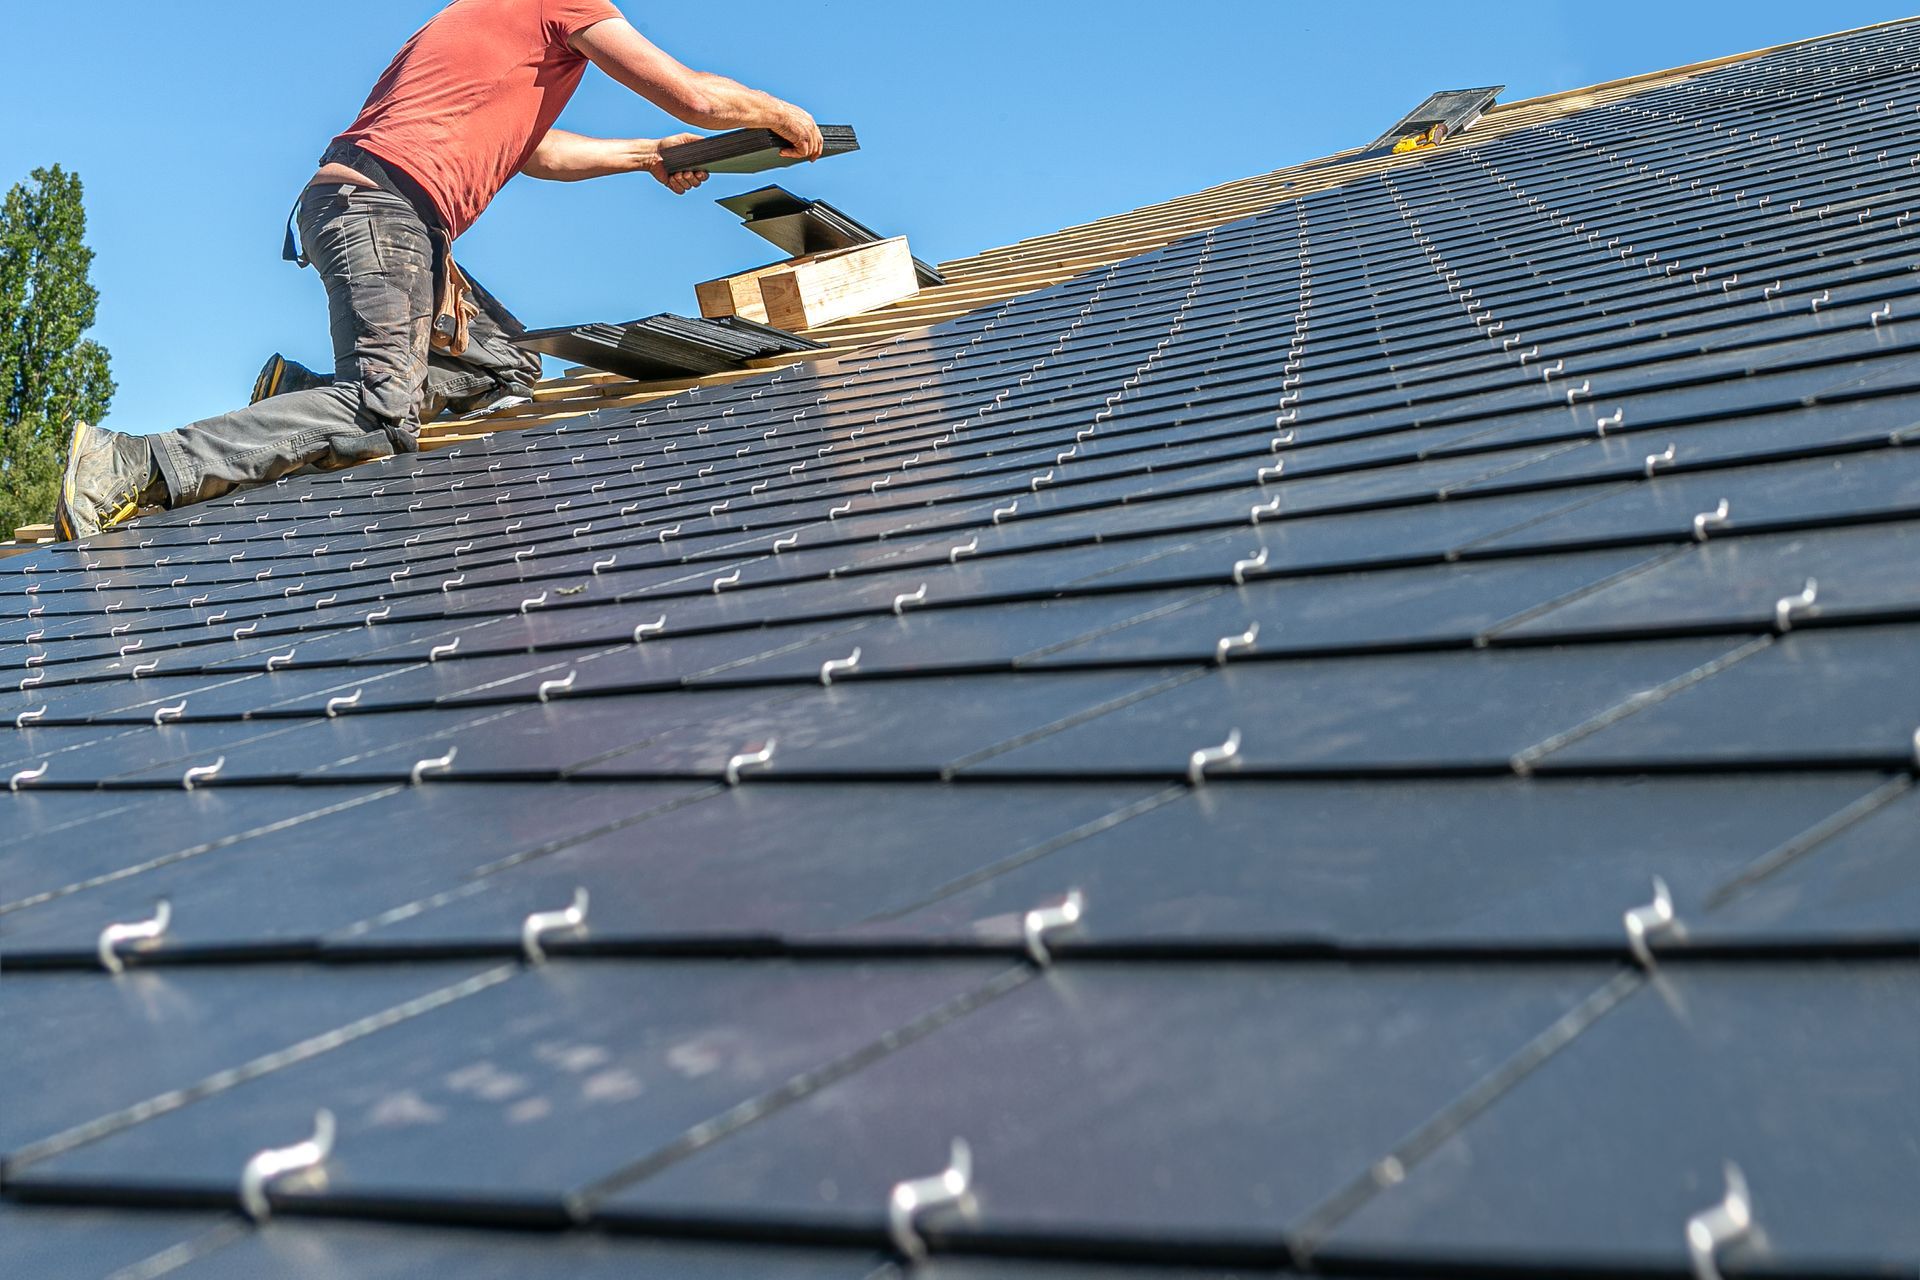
point(376, 258)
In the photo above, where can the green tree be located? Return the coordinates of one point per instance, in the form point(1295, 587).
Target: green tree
point(50, 375)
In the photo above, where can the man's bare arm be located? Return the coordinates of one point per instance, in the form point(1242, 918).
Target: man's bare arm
point(699, 98)
point(570, 157)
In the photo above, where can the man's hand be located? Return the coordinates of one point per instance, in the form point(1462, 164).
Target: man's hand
point(797, 127)
point(678, 183)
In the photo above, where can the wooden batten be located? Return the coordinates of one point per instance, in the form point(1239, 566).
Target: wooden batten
point(26, 538)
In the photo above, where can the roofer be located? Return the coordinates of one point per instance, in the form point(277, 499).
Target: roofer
point(466, 104)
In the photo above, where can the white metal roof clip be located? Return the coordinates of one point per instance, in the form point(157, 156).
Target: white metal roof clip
point(1228, 645)
point(1040, 922)
point(435, 764)
point(1198, 762)
point(1784, 607)
point(111, 937)
point(1655, 918)
point(746, 759)
point(835, 666)
point(950, 1188)
point(277, 1162)
point(571, 919)
point(1724, 1223)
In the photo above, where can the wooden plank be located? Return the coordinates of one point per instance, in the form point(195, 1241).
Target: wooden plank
point(33, 533)
point(844, 282)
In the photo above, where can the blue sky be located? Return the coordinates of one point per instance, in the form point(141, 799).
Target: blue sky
point(194, 126)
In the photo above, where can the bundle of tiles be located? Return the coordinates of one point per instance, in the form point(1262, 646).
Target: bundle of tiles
point(751, 150)
point(801, 226)
point(665, 345)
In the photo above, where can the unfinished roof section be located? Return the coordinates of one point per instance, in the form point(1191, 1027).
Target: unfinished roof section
point(1374, 739)
point(1443, 115)
point(998, 274)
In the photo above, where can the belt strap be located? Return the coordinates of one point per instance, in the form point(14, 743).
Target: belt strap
point(290, 251)
point(388, 178)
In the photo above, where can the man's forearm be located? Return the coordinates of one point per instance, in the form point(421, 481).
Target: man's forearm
point(571, 157)
point(720, 103)
point(700, 98)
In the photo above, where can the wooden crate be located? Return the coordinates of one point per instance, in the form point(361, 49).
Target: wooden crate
point(806, 292)
point(736, 295)
point(840, 283)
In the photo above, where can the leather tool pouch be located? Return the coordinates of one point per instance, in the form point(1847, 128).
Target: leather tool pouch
point(454, 308)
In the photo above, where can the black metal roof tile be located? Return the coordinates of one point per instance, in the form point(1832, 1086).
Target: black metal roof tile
point(500, 1106)
point(1472, 865)
point(1405, 713)
point(44, 1241)
point(766, 862)
point(280, 887)
point(104, 1055)
point(373, 1251)
point(1771, 1072)
point(1137, 1111)
point(1810, 697)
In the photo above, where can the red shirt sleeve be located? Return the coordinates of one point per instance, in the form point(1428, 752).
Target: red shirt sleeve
point(568, 18)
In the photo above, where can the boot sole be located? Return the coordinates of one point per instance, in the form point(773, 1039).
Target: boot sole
point(267, 384)
point(62, 511)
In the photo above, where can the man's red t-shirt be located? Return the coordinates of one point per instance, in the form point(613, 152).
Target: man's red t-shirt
point(472, 94)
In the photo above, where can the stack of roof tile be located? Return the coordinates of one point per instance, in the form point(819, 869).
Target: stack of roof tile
point(665, 344)
point(801, 226)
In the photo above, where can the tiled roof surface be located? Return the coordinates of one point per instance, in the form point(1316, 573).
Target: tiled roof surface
point(1205, 734)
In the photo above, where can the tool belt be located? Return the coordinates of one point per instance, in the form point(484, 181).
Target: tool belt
point(454, 304)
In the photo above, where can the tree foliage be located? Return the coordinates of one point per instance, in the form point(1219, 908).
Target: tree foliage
point(51, 375)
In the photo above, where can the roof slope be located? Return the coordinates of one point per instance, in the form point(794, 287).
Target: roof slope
point(1205, 733)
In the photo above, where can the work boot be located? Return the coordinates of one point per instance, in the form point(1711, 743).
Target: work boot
point(280, 375)
point(109, 477)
